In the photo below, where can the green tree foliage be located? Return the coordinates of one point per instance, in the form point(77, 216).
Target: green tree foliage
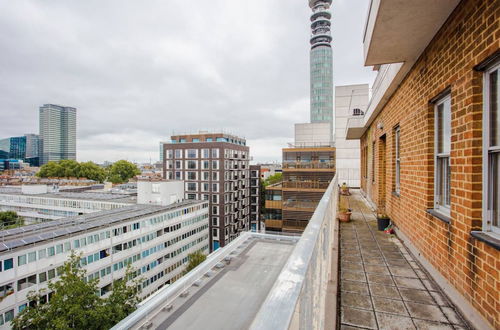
point(195, 259)
point(74, 303)
point(278, 177)
point(121, 171)
point(71, 168)
point(10, 219)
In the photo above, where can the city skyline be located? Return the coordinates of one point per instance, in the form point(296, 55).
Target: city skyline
point(133, 97)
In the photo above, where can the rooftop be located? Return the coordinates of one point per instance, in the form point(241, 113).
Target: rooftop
point(32, 234)
point(87, 195)
point(238, 277)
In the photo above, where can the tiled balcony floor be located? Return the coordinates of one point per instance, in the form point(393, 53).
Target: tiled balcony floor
point(382, 286)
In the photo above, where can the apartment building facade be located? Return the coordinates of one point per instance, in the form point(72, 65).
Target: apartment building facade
point(307, 172)
point(430, 141)
point(155, 240)
point(255, 198)
point(215, 168)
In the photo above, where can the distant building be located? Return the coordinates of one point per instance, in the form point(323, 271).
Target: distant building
point(32, 149)
point(214, 167)
point(267, 170)
point(13, 148)
point(350, 102)
point(255, 200)
point(57, 133)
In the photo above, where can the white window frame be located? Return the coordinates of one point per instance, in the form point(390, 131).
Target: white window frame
point(397, 154)
point(487, 151)
point(444, 209)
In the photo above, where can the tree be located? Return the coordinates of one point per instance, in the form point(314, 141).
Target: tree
point(10, 219)
point(278, 177)
point(74, 303)
point(70, 168)
point(121, 171)
point(195, 259)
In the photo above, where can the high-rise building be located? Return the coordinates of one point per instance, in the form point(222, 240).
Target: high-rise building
point(255, 198)
point(13, 148)
point(57, 133)
point(214, 167)
point(32, 149)
point(321, 72)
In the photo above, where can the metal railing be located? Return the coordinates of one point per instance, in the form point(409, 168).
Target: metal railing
point(309, 165)
point(298, 297)
point(306, 184)
point(300, 204)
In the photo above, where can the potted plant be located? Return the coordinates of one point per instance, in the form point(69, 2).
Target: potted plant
point(344, 210)
point(344, 189)
point(383, 221)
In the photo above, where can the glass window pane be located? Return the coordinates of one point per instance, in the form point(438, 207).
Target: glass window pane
point(494, 193)
point(444, 126)
point(493, 107)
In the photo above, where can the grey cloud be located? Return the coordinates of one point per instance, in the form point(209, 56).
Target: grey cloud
point(139, 70)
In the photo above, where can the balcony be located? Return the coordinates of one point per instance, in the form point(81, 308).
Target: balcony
point(305, 185)
point(294, 205)
point(273, 204)
point(274, 224)
point(326, 165)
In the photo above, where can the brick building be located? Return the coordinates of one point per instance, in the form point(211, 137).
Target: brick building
point(214, 167)
point(430, 140)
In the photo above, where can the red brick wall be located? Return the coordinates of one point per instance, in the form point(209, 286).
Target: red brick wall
point(470, 36)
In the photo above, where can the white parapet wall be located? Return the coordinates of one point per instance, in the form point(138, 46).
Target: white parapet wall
point(347, 99)
point(162, 192)
point(34, 189)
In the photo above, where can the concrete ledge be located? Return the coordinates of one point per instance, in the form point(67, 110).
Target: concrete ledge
point(467, 310)
point(331, 313)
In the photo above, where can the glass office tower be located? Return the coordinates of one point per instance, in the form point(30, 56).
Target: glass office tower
point(321, 71)
point(57, 133)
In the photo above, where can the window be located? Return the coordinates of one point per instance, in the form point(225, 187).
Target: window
point(8, 264)
point(21, 260)
point(215, 176)
point(397, 177)
point(191, 176)
point(491, 150)
point(195, 140)
point(31, 256)
point(178, 153)
point(192, 153)
point(215, 164)
point(191, 186)
point(191, 164)
point(215, 153)
point(373, 162)
point(205, 153)
point(155, 188)
point(442, 145)
point(191, 196)
point(178, 176)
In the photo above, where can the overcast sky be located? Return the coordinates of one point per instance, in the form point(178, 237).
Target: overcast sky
point(138, 71)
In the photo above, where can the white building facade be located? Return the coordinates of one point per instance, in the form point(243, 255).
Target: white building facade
point(155, 240)
point(351, 101)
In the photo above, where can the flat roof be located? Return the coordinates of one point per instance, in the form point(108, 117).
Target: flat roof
point(233, 293)
point(84, 195)
point(50, 230)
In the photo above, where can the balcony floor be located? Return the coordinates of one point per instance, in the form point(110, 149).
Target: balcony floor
point(382, 286)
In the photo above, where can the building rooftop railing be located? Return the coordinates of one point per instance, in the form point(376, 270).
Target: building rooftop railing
point(298, 297)
point(309, 165)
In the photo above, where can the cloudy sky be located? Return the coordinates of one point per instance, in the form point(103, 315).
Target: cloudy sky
point(138, 71)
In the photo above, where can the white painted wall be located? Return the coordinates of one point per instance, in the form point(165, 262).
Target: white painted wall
point(160, 192)
point(314, 134)
point(347, 98)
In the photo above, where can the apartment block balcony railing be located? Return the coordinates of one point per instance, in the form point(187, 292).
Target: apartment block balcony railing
point(273, 204)
point(309, 165)
point(303, 205)
point(305, 184)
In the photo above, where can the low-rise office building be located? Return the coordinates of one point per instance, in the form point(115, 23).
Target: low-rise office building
point(155, 240)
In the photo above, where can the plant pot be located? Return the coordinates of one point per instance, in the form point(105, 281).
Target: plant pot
point(382, 223)
point(345, 216)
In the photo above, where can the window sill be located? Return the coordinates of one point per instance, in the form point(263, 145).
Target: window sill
point(439, 215)
point(486, 238)
point(395, 193)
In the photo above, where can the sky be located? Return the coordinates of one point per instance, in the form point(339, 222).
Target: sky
point(140, 71)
